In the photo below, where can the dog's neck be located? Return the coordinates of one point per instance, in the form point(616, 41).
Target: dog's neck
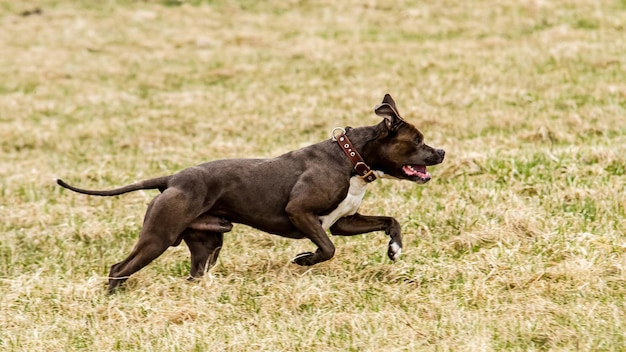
point(361, 168)
point(362, 136)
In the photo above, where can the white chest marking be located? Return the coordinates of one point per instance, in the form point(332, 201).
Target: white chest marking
point(351, 203)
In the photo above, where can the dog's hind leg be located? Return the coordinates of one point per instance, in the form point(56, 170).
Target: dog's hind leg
point(143, 253)
point(204, 247)
point(204, 237)
point(166, 218)
point(358, 224)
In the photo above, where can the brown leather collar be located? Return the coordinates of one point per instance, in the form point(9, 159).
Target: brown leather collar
point(361, 168)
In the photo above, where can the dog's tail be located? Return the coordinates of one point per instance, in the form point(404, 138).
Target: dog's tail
point(153, 183)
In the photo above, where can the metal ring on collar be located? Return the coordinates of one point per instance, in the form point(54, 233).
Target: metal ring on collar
point(333, 133)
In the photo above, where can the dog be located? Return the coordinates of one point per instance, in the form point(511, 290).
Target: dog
point(300, 194)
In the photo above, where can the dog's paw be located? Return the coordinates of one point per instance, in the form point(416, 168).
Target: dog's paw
point(303, 259)
point(394, 251)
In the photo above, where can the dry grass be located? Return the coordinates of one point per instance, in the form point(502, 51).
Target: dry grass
point(517, 243)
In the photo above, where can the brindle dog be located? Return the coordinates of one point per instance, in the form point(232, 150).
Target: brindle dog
point(300, 194)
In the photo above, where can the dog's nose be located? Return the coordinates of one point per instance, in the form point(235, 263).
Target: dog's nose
point(441, 153)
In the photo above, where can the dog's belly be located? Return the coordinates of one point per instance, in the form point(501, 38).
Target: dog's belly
point(277, 222)
point(349, 205)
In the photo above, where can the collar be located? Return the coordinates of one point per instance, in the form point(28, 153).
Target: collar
point(361, 168)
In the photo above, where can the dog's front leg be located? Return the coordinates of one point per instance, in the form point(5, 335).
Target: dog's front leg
point(310, 226)
point(358, 224)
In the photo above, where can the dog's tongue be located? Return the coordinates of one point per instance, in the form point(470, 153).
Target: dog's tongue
point(416, 170)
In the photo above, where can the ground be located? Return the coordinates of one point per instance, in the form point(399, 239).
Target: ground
point(517, 243)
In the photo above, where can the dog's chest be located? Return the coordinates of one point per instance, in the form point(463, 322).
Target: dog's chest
point(349, 205)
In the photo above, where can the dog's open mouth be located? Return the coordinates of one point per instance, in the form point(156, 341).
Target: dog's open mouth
point(418, 171)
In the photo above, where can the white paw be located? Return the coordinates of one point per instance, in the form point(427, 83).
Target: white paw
point(394, 251)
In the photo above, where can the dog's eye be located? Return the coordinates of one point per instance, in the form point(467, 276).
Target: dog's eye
point(418, 140)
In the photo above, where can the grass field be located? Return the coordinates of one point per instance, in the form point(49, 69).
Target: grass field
point(518, 243)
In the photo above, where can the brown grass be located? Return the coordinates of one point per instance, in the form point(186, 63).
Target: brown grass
point(516, 244)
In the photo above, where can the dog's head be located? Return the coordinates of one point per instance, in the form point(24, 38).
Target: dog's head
point(399, 151)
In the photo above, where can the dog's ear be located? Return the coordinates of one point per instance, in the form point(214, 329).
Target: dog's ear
point(388, 110)
point(389, 100)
